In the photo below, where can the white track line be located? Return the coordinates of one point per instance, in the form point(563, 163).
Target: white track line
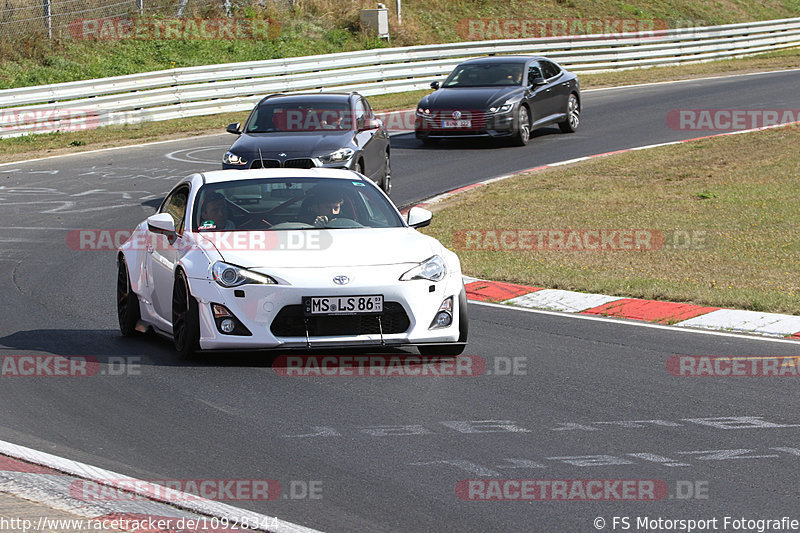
point(189, 502)
point(635, 323)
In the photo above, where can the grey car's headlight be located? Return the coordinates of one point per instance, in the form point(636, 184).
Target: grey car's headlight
point(342, 154)
point(232, 276)
point(505, 108)
point(232, 159)
point(432, 269)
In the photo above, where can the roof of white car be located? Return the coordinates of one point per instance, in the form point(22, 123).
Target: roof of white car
point(217, 176)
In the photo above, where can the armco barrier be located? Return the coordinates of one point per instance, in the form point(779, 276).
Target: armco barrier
point(210, 89)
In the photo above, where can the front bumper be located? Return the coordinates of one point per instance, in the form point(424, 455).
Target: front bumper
point(258, 306)
point(482, 124)
point(274, 161)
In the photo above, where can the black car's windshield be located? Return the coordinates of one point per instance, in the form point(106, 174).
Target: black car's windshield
point(290, 204)
point(485, 74)
point(301, 116)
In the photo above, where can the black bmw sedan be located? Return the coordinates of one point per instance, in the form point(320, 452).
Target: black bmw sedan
point(502, 97)
point(329, 130)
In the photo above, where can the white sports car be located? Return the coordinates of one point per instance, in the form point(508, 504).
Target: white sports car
point(286, 258)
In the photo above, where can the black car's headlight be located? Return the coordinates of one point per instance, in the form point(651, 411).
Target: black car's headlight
point(342, 154)
point(505, 108)
point(432, 269)
point(232, 276)
point(232, 159)
point(423, 111)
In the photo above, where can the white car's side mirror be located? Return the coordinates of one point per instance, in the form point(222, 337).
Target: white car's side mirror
point(418, 217)
point(161, 223)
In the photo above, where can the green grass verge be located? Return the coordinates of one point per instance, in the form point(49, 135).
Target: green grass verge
point(741, 212)
point(324, 26)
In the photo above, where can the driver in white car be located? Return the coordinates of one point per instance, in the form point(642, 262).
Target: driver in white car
point(322, 206)
point(214, 213)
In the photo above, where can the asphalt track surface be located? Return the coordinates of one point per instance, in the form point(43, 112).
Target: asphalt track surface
point(386, 454)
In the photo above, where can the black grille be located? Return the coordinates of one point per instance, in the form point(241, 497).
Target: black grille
point(477, 118)
point(299, 163)
point(290, 322)
point(265, 163)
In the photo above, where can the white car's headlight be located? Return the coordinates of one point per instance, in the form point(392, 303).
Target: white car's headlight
point(432, 269)
point(232, 159)
point(232, 276)
point(342, 154)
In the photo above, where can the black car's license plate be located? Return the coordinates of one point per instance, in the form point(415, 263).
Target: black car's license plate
point(343, 305)
point(463, 123)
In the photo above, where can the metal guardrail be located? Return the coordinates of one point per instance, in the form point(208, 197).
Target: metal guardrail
point(210, 89)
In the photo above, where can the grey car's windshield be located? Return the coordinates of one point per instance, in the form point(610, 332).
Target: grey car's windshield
point(301, 116)
point(485, 74)
point(274, 204)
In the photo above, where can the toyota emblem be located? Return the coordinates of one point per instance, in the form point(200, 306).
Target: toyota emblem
point(341, 280)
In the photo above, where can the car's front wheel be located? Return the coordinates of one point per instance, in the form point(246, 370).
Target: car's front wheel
point(185, 317)
point(523, 133)
point(127, 302)
point(386, 184)
point(573, 120)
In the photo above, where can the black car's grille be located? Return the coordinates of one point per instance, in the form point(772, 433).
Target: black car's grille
point(477, 120)
point(265, 163)
point(290, 323)
point(299, 163)
point(289, 163)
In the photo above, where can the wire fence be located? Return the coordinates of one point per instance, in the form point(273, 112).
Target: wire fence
point(54, 18)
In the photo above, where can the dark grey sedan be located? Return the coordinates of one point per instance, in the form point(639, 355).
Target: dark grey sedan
point(500, 96)
point(328, 130)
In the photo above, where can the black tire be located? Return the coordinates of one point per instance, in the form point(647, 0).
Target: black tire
point(360, 167)
point(573, 121)
point(386, 184)
point(523, 132)
point(127, 302)
point(463, 333)
point(185, 318)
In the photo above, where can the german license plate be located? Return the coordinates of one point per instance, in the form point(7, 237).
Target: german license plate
point(463, 123)
point(343, 305)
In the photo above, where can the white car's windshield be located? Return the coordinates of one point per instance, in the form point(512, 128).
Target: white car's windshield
point(292, 203)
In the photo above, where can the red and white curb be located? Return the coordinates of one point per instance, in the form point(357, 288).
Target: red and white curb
point(50, 480)
point(671, 313)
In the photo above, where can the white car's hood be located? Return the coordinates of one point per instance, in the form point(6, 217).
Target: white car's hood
point(322, 248)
